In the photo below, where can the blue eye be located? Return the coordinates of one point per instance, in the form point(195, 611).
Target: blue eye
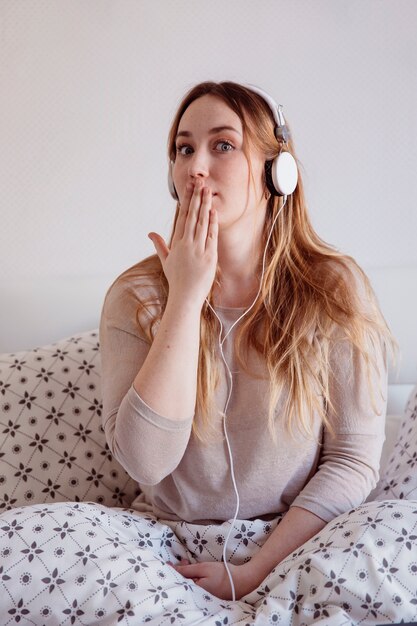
point(226, 143)
point(179, 149)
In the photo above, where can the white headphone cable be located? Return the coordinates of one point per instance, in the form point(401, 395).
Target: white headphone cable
point(221, 341)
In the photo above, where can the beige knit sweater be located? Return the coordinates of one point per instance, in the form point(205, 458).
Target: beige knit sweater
point(182, 478)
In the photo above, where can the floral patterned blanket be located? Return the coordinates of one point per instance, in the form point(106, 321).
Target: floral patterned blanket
point(85, 563)
point(67, 560)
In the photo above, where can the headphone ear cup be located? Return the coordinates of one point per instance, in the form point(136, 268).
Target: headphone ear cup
point(268, 178)
point(281, 174)
point(171, 185)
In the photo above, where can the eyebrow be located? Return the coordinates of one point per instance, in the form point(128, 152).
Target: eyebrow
point(216, 129)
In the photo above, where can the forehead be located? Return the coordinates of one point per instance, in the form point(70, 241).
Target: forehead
point(209, 111)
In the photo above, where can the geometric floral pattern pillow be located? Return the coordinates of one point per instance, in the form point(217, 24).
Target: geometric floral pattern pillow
point(399, 480)
point(52, 444)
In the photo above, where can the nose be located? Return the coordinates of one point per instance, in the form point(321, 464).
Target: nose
point(198, 165)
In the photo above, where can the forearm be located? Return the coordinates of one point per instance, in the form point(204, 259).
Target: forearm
point(167, 380)
point(148, 445)
point(297, 527)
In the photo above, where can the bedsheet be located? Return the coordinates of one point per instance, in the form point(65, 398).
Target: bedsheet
point(85, 563)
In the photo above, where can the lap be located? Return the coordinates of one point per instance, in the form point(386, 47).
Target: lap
point(84, 562)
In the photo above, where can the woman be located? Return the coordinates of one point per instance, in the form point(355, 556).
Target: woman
point(292, 420)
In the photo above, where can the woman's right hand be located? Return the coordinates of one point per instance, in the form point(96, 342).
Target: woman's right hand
point(190, 264)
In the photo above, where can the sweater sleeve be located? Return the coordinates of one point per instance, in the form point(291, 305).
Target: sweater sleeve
point(350, 455)
point(148, 445)
point(349, 459)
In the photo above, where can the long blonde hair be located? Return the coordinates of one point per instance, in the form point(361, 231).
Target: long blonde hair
point(309, 299)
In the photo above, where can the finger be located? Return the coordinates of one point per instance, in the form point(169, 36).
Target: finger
point(177, 567)
point(161, 247)
point(183, 562)
point(193, 211)
point(212, 232)
point(182, 213)
point(201, 230)
point(194, 570)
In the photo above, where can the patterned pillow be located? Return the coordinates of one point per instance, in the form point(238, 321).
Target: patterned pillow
point(52, 444)
point(399, 480)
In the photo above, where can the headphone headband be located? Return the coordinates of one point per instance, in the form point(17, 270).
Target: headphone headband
point(282, 132)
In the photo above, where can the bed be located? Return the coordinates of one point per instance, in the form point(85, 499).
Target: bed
point(73, 552)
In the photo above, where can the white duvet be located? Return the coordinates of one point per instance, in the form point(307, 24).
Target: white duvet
point(84, 563)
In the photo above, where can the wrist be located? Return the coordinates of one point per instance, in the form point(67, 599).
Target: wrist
point(250, 576)
point(260, 567)
point(184, 304)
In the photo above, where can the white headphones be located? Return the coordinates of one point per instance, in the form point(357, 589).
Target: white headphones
point(281, 173)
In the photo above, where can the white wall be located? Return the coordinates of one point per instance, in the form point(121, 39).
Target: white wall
point(88, 93)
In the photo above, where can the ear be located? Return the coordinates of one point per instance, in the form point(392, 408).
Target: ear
point(171, 185)
point(268, 178)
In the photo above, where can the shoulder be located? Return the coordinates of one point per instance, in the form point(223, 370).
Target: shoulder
point(359, 287)
point(343, 277)
point(339, 269)
point(135, 298)
point(349, 308)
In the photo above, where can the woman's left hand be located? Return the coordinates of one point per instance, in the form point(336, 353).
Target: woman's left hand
point(213, 577)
